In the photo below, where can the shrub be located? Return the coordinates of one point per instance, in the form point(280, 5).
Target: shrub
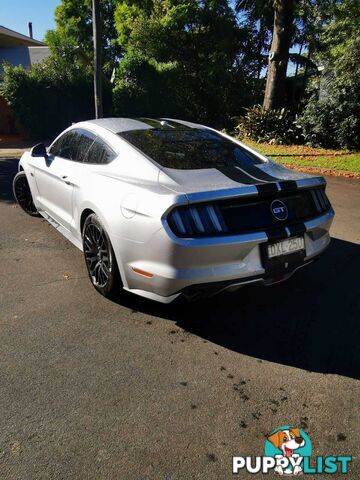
point(45, 99)
point(333, 121)
point(141, 88)
point(272, 126)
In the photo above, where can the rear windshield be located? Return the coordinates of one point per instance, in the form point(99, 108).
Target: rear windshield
point(189, 148)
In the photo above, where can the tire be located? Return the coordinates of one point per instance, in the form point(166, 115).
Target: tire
point(22, 194)
point(100, 258)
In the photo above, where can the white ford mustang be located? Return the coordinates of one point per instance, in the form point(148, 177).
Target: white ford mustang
point(167, 207)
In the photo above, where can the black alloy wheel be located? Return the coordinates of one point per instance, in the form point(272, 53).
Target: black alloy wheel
point(22, 194)
point(100, 258)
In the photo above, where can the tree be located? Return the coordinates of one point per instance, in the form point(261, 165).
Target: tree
point(341, 43)
point(331, 117)
point(279, 55)
point(258, 17)
point(96, 21)
point(73, 33)
point(182, 58)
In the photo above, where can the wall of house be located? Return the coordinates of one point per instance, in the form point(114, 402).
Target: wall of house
point(25, 56)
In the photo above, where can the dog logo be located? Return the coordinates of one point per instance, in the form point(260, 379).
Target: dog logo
point(279, 210)
point(288, 452)
point(288, 443)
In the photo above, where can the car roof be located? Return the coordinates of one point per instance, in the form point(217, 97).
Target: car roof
point(118, 125)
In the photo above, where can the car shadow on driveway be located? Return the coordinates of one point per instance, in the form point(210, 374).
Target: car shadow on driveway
point(311, 322)
point(8, 170)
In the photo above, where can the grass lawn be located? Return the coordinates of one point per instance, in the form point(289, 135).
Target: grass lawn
point(308, 158)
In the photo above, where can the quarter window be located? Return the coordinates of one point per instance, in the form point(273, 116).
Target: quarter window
point(83, 142)
point(100, 153)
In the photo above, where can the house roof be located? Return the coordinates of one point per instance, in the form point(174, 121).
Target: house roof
point(10, 38)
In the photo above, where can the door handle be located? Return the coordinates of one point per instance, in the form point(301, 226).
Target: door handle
point(64, 177)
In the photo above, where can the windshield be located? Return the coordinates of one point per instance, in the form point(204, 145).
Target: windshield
point(189, 148)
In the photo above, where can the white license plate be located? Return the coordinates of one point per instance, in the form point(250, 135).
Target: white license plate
point(284, 247)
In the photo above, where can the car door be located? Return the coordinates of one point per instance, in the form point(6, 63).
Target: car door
point(59, 174)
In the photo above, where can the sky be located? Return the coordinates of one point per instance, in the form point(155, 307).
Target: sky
point(16, 14)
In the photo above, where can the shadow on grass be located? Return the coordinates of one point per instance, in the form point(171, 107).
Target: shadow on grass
point(311, 322)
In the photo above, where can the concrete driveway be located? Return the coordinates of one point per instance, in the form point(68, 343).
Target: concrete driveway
point(91, 389)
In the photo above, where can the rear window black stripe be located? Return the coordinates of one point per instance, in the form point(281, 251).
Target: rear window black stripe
point(236, 175)
point(259, 174)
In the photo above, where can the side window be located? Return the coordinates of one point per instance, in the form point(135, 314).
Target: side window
point(100, 153)
point(57, 147)
point(73, 145)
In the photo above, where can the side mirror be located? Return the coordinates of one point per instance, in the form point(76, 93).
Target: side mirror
point(39, 151)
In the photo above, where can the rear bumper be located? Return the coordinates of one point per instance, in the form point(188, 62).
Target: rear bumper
point(209, 289)
point(182, 265)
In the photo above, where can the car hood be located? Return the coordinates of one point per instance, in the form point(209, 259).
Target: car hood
point(208, 180)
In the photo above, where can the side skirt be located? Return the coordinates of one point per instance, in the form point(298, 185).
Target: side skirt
point(64, 231)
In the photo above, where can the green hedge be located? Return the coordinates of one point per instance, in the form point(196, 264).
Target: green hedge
point(43, 105)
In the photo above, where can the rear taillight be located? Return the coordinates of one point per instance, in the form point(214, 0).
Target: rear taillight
point(197, 220)
point(237, 216)
point(320, 199)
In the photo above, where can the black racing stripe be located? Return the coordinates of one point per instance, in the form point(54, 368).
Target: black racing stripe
point(297, 229)
point(259, 174)
point(288, 185)
point(236, 175)
point(274, 234)
point(266, 188)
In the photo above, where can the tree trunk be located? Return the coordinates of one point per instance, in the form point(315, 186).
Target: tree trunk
point(279, 54)
point(97, 58)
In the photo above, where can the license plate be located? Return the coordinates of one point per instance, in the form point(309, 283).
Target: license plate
point(285, 247)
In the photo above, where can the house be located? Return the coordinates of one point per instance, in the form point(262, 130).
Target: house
point(17, 49)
